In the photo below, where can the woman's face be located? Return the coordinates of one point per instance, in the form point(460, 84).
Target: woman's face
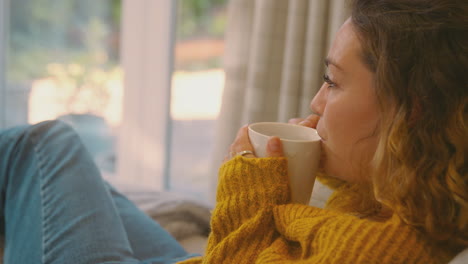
point(348, 108)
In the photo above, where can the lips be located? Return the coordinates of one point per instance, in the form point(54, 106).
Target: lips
point(321, 138)
point(319, 128)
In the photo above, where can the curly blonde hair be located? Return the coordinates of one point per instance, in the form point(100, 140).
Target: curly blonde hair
point(418, 51)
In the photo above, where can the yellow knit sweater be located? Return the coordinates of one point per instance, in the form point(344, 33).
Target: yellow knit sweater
point(253, 222)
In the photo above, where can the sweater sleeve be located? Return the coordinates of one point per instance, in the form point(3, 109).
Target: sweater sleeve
point(242, 224)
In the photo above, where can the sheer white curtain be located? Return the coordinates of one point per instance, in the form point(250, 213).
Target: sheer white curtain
point(273, 61)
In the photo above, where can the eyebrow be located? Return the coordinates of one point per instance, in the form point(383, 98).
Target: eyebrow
point(329, 61)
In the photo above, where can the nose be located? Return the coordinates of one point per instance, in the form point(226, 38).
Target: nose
point(318, 103)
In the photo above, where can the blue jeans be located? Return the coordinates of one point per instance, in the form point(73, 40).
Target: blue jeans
point(56, 208)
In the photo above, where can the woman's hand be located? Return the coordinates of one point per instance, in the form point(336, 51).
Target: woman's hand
point(242, 142)
point(310, 121)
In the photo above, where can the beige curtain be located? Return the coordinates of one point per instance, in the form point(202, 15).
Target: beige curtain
point(273, 61)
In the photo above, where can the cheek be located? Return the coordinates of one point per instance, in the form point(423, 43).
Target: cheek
point(349, 140)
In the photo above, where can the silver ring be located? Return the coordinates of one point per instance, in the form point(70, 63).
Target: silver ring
point(244, 152)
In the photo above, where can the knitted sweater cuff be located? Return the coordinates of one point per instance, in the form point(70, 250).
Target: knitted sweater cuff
point(257, 181)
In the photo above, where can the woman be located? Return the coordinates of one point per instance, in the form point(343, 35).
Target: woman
point(392, 115)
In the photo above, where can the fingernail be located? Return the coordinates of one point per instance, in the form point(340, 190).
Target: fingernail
point(304, 123)
point(274, 144)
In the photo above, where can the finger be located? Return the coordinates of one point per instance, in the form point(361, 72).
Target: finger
point(242, 142)
point(226, 158)
point(310, 121)
point(296, 120)
point(274, 147)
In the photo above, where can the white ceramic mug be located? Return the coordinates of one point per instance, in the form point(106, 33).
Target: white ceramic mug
point(301, 146)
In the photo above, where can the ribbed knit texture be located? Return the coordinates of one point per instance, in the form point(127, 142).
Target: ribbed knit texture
point(253, 222)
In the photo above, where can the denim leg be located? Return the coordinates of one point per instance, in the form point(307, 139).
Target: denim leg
point(56, 208)
point(147, 238)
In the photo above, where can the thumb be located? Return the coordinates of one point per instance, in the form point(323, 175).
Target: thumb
point(274, 147)
point(310, 121)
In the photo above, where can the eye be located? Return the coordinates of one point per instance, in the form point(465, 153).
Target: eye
point(330, 83)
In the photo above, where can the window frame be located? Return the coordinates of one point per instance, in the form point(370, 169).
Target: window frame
point(147, 57)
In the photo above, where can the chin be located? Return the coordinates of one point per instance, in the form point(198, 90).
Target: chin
point(337, 167)
point(332, 169)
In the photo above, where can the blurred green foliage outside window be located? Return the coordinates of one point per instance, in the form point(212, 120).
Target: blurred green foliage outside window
point(61, 31)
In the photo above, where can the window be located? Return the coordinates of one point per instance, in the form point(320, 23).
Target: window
point(166, 136)
point(197, 86)
point(62, 60)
